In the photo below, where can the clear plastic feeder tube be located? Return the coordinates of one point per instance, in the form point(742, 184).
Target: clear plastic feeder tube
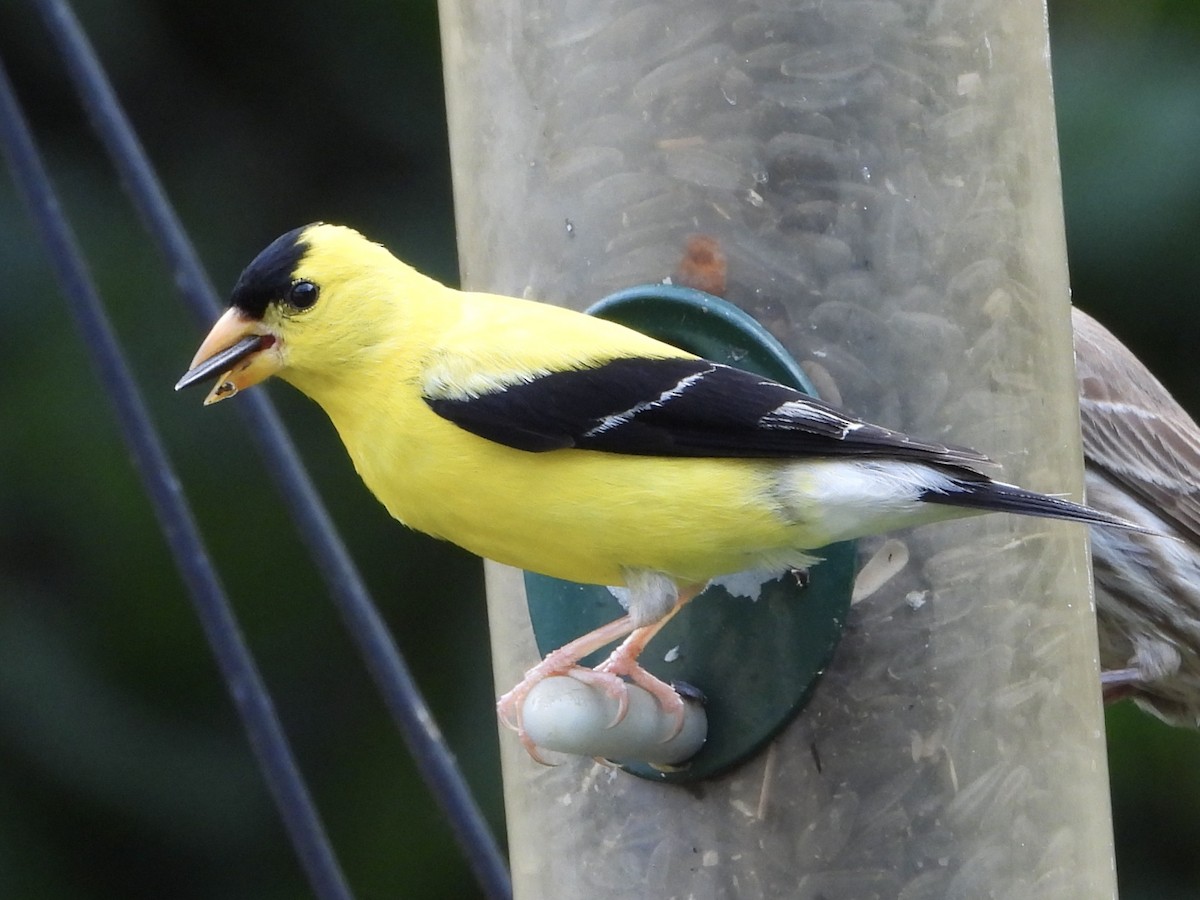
point(876, 181)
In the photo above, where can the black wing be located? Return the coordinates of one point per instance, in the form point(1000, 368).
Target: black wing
point(678, 407)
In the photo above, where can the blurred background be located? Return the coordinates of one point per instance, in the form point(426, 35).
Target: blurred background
point(123, 770)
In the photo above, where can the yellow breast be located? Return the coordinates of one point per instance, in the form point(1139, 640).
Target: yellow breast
point(579, 515)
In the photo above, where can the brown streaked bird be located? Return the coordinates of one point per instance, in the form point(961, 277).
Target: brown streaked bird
point(1142, 457)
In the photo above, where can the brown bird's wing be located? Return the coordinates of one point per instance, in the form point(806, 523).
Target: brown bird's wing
point(1134, 430)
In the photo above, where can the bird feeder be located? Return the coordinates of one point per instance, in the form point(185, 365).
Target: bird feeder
point(875, 183)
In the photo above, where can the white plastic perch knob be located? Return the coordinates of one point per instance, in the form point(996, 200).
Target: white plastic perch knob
point(569, 716)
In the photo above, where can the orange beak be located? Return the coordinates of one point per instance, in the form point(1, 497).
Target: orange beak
point(238, 352)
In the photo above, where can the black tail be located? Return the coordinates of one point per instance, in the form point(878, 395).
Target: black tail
point(996, 496)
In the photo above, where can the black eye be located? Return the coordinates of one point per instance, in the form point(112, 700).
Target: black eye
point(301, 295)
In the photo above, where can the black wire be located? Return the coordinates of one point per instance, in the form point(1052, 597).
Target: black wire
point(408, 708)
point(237, 666)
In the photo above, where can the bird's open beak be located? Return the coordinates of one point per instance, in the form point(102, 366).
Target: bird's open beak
point(238, 352)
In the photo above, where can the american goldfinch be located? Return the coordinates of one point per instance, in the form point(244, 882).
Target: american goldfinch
point(1142, 456)
point(574, 447)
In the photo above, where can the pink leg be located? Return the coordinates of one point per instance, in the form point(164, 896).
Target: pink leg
point(622, 661)
point(564, 661)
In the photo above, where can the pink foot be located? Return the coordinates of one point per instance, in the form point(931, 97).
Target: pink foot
point(623, 661)
point(509, 706)
point(565, 661)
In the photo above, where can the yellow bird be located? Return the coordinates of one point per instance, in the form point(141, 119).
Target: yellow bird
point(574, 447)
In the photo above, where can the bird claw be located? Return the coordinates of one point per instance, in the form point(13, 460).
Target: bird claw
point(509, 706)
point(611, 684)
point(668, 698)
point(607, 677)
point(534, 751)
point(610, 675)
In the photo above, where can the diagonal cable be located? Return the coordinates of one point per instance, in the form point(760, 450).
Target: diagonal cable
point(246, 687)
point(392, 676)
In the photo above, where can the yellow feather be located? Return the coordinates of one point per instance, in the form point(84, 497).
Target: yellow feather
point(383, 338)
point(383, 334)
point(374, 342)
